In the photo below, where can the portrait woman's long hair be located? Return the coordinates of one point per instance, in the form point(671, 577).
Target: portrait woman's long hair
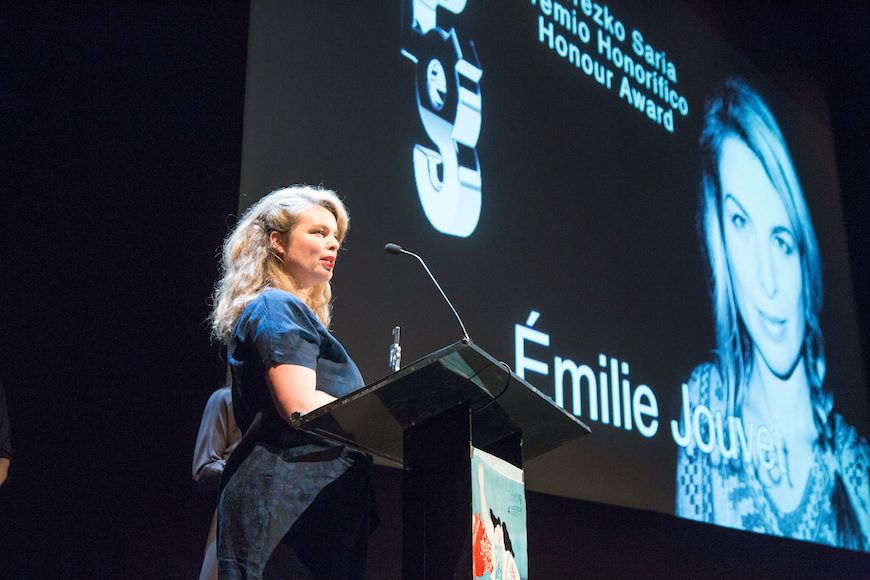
point(739, 112)
point(249, 266)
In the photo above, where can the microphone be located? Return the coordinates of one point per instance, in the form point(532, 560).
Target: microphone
point(396, 249)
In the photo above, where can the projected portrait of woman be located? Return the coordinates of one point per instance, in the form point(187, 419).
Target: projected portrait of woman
point(761, 448)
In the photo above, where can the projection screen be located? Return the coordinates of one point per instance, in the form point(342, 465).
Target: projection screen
point(621, 207)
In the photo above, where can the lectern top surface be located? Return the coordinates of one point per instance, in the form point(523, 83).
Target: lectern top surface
point(374, 418)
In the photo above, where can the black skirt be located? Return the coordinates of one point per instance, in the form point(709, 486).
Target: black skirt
point(298, 512)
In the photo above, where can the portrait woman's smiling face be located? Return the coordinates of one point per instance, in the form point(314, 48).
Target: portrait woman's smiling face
point(763, 259)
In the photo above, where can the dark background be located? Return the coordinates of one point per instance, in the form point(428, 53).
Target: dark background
point(121, 162)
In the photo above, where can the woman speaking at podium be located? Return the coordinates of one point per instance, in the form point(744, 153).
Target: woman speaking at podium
point(292, 505)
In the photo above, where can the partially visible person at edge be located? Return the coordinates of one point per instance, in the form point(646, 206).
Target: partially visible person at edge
point(217, 438)
point(809, 481)
point(5, 438)
point(292, 505)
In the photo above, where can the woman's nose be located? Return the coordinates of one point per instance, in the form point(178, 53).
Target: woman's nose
point(767, 270)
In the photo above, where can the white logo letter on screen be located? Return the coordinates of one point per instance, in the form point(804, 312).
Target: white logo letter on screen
point(448, 100)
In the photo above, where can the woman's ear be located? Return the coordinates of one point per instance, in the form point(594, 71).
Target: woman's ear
point(276, 241)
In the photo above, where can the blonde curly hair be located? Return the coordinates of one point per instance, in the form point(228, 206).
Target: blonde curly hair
point(249, 266)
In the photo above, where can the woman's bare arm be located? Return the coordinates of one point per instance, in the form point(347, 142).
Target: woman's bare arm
point(294, 390)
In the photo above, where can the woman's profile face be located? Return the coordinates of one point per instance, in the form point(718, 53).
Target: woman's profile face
point(312, 247)
point(763, 259)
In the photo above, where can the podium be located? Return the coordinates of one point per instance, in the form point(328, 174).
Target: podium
point(424, 419)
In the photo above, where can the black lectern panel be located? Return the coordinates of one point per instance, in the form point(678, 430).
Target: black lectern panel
point(427, 418)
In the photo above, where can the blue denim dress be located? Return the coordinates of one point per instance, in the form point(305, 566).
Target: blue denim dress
point(292, 505)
